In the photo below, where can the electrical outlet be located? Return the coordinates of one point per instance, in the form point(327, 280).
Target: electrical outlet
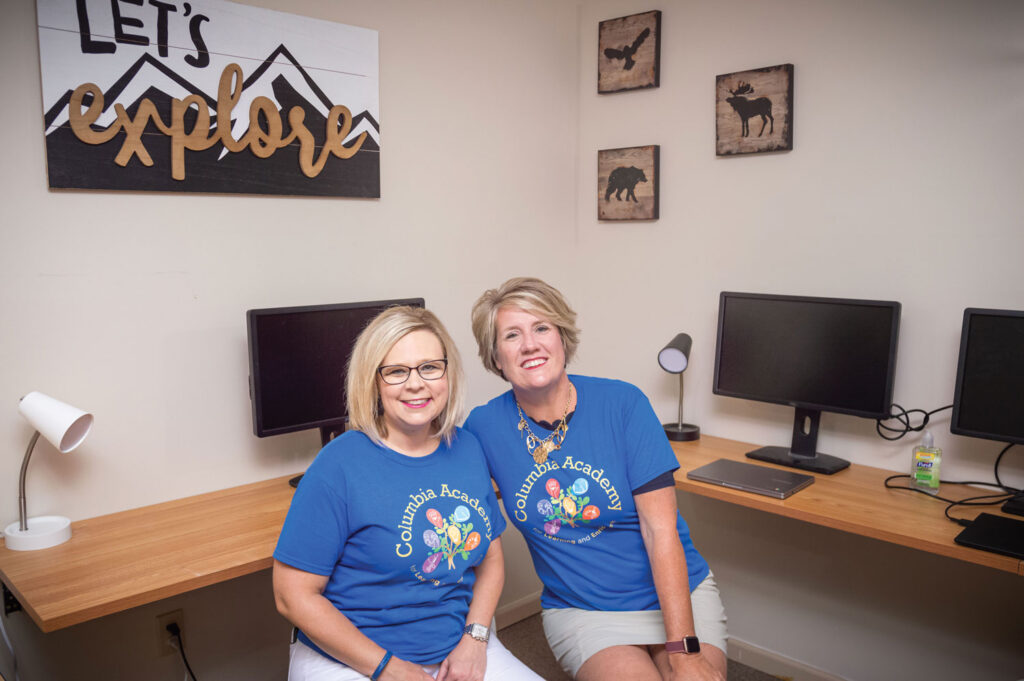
point(164, 637)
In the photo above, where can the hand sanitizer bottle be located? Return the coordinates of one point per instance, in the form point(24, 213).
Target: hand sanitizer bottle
point(924, 467)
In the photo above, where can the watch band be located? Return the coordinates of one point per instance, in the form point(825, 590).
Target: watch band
point(478, 632)
point(688, 645)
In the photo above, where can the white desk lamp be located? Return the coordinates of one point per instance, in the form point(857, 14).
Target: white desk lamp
point(674, 358)
point(64, 427)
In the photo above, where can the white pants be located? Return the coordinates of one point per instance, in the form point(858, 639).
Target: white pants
point(307, 664)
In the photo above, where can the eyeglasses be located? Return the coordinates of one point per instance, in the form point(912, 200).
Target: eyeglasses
point(397, 374)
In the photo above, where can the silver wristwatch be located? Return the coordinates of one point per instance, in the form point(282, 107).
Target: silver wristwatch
point(478, 631)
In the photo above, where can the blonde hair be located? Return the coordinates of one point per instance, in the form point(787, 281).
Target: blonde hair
point(372, 346)
point(534, 296)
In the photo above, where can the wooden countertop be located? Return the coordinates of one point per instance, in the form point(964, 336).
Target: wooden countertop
point(854, 500)
point(119, 561)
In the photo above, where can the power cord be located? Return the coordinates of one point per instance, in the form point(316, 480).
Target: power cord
point(980, 500)
point(898, 413)
point(174, 630)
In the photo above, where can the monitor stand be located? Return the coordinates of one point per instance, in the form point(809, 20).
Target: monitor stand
point(326, 435)
point(802, 454)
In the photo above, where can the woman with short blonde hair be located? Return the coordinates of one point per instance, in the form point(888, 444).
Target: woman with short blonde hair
point(586, 474)
point(362, 393)
point(389, 563)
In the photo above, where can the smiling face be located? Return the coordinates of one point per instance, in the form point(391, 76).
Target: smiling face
point(529, 350)
point(411, 407)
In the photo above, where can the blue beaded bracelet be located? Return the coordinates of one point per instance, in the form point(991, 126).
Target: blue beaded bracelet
point(380, 668)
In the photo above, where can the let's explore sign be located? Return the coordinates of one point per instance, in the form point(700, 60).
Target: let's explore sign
point(207, 96)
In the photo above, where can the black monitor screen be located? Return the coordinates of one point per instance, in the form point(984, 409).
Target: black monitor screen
point(820, 353)
point(814, 354)
point(988, 399)
point(297, 363)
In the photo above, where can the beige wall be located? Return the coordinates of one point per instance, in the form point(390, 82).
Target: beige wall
point(904, 183)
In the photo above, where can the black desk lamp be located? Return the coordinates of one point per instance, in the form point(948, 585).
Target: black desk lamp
point(674, 358)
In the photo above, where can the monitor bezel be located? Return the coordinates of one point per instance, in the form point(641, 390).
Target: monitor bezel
point(895, 310)
point(255, 387)
point(954, 424)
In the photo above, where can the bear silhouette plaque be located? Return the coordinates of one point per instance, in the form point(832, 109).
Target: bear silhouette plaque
point(627, 183)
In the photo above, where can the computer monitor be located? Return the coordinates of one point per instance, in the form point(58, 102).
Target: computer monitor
point(988, 398)
point(298, 358)
point(814, 354)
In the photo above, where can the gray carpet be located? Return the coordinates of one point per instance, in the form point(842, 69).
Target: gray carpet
point(526, 641)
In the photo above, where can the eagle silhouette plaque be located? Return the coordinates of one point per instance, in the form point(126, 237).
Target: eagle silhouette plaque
point(754, 111)
point(629, 52)
point(627, 183)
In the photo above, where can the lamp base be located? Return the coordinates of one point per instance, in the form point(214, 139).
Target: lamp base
point(42, 533)
point(682, 432)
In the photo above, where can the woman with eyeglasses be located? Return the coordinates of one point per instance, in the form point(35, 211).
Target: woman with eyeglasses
point(389, 563)
point(586, 473)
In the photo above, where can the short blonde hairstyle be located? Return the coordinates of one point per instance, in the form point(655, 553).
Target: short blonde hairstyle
point(534, 296)
point(365, 412)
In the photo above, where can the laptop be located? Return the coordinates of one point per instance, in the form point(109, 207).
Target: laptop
point(750, 477)
point(994, 533)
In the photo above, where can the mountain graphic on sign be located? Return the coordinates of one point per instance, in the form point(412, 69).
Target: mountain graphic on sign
point(76, 164)
point(265, 82)
point(279, 70)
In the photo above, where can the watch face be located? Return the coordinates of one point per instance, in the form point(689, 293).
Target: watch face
point(692, 644)
point(478, 631)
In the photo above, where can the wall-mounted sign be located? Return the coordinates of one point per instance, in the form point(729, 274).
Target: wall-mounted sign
point(207, 96)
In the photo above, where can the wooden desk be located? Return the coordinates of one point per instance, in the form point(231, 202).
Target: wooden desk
point(123, 560)
point(119, 561)
point(854, 500)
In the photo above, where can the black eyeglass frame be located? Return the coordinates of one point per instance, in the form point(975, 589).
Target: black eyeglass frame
point(444, 362)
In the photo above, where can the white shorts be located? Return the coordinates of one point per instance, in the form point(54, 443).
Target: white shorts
point(306, 664)
point(574, 634)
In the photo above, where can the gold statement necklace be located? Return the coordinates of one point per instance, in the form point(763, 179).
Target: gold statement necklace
point(538, 448)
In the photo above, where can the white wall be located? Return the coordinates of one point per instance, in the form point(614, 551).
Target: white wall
point(903, 183)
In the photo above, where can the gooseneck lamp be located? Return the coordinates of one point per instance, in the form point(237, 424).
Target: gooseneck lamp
point(674, 358)
point(64, 427)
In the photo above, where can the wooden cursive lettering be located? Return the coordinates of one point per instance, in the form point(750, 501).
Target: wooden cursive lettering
point(263, 138)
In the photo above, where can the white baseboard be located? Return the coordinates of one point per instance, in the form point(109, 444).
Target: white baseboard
point(517, 610)
point(775, 664)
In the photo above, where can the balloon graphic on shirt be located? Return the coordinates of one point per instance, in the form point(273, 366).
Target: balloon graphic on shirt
point(430, 564)
point(552, 487)
point(454, 537)
point(568, 507)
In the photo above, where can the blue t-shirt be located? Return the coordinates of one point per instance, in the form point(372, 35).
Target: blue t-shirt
point(397, 536)
point(576, 510)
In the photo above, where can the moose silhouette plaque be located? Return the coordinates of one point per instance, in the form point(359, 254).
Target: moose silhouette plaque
point(629, 52)
point(754, 111)
point(627, 183)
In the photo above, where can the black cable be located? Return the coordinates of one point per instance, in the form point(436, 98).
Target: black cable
point(175, 631)
point(903, 416)
point(998, 459)
point(980, 500)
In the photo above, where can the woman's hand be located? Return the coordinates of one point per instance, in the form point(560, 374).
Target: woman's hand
point(402, 670)
point(466, 662)
point(693, 668)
